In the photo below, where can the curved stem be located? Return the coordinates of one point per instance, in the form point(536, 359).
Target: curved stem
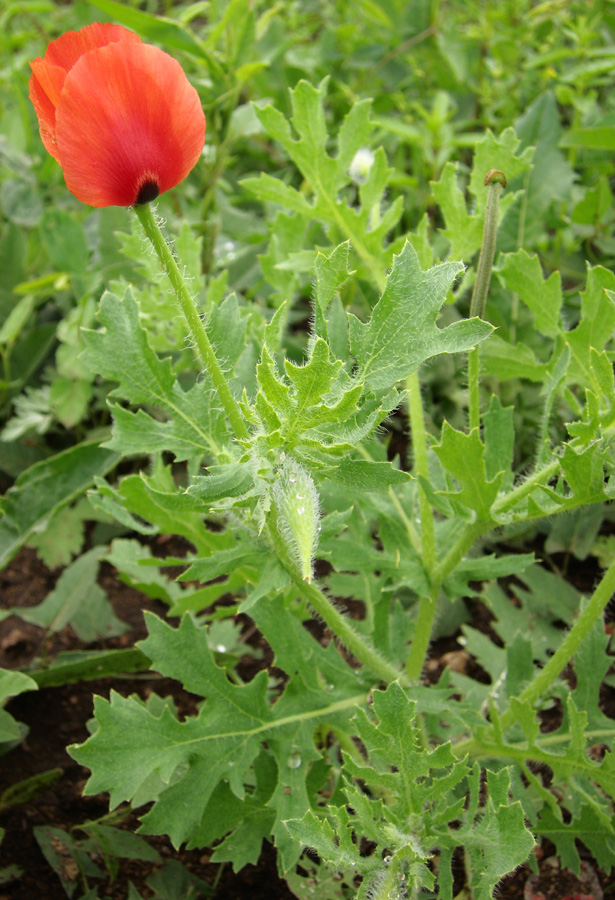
point(569, 646)
point(413, 535)
point(540, 476)
point(197, 329)
point(338, 623)
point(368, 258)
point(343, 630)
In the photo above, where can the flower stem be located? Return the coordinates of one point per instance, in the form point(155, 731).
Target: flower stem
point(197, 329)
point(569, 646)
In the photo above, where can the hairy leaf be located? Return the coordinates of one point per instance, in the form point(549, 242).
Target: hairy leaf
point(402, 333)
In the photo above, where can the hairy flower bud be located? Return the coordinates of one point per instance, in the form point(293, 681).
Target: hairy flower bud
point(297, 508)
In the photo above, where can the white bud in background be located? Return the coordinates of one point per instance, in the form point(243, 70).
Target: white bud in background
point(361, 164)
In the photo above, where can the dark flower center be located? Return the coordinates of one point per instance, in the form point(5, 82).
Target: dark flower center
point(148, 191)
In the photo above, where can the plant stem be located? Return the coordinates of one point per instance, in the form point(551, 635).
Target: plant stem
point(413, 535)
point(427, 606)
point(422, 635)
point(473, 385)
point(371, 263)
point(458, 551)
point(470, 533)
point(339, 624)
point(343, 630)
point(191, 314)
point(522, 751)
point(534, 480)
point(569, 646)
point(495, 180)
point(421, 470)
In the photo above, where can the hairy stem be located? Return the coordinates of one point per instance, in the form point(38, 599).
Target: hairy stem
point(338, 623)
point(458, 551)
point(538, 477)
point(413, 535)
point(569, 646)
point(539, 686)
point(341, 627)
point(191, 314)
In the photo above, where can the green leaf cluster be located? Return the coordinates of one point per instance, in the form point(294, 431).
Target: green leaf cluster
point(407, 801)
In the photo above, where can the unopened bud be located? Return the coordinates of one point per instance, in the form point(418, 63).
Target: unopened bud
point(297, 507)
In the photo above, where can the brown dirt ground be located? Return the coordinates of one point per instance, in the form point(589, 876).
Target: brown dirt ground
point(57, 717)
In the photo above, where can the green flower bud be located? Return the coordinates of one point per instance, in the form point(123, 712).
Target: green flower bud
point(296, 500)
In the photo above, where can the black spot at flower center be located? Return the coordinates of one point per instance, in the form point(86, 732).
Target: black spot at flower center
point(148, 191)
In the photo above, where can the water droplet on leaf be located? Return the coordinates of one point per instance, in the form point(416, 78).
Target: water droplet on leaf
point(294, 760)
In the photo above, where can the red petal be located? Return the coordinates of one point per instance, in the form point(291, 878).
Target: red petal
point(45, 87)
point(48, 73)
point(72, 45)
point(127, 115)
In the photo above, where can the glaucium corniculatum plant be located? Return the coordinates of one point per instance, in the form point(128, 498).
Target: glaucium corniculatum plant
point(347, 753)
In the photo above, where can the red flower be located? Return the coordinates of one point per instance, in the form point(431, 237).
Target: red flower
point(119, 116)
